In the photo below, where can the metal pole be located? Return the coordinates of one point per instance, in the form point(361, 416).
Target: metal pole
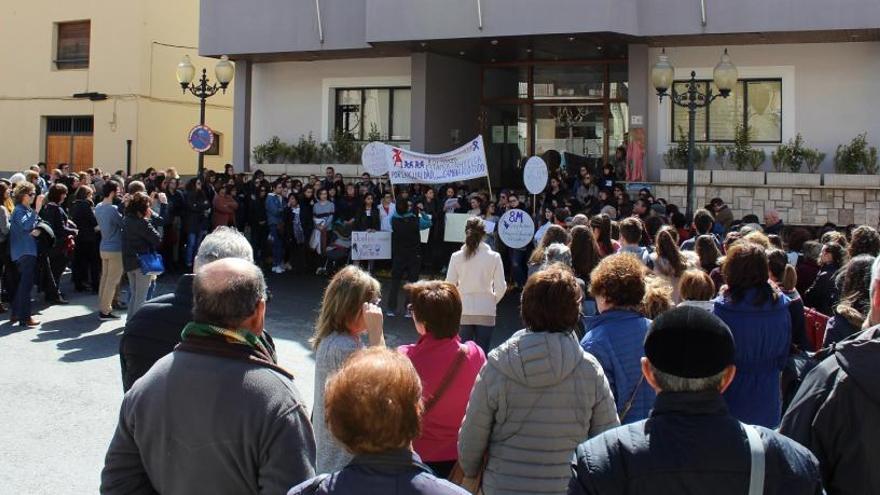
point(692, 116)
point(128, 157)
point(201, 168)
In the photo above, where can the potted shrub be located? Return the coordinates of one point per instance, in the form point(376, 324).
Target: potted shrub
point(676, 160)
point(795, 165)
point(855, 165)
point(747, 160)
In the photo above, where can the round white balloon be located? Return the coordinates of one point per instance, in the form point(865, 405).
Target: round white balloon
point(535, 175)
point(374, 158)
point(516, 228)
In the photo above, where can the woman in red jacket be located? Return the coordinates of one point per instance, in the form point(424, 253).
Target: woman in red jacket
point(447, 367)
point(224, 206)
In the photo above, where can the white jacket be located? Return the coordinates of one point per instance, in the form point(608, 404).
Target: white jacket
point(480, 280)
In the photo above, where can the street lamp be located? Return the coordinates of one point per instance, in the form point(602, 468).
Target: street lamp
point(725, 76)
point(224, 71)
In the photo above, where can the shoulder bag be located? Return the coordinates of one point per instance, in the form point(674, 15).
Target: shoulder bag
point(151, 263)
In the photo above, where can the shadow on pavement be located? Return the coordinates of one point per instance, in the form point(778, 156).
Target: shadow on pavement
point(67, 327)
point(95, 346)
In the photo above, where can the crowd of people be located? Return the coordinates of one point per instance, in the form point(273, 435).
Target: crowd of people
point(654, 356)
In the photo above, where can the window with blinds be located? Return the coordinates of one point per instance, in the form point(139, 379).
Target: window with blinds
point(753, 103)
point(72, 51)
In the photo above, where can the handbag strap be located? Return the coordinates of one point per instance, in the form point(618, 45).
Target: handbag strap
point(632, 398)
point(447, 379)
point(756, 446)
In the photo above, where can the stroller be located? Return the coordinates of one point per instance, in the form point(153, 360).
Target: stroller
point(338, 251)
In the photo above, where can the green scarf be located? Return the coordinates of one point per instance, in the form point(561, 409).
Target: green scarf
point(204, 338)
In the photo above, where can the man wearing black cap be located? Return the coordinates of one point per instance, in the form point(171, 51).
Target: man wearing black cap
point(690, 443)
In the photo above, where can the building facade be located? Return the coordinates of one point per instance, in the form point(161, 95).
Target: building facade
point(570, 76)
point(85, 78)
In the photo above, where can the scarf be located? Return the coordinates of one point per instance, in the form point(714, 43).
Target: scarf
point(203, 338)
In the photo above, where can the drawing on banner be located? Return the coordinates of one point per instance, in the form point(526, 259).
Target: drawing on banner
point(374, 158)
point(535, 175)
point(455, 224)
point(516, 228)
point(409, 167)
point(370, 246)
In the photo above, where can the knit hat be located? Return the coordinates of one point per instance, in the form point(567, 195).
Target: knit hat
point(689, 342)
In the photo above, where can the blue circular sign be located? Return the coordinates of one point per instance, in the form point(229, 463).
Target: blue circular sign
point(201, 138)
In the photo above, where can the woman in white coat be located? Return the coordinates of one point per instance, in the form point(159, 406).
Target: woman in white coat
point(479, 275)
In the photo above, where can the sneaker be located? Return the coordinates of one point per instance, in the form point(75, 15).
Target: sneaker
point(107, 316)
point(390, 314)
point(30, 322)
point(287, 267)
point(277, 269)
point(408, 314)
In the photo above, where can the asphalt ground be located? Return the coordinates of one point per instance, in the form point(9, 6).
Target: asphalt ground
point(60, 385)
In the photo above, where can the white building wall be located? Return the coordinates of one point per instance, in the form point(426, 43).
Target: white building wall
point(829, 91)
point(292, 99)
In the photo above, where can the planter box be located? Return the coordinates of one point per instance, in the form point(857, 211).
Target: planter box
point(680, 176)
point(847, 180)
point(738, 178)
point(307, 169)
point(793, 179)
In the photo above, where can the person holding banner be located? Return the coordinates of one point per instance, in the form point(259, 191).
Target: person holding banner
point(406, 240)
point(478, 273)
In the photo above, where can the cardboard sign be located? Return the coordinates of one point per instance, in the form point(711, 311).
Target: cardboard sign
point(535, 175)
point(374, 158)
point(516, 228)
point(455, 224)
point(371, 245)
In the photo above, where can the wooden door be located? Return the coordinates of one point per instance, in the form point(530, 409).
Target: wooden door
point(58, 150)
point(82, 153)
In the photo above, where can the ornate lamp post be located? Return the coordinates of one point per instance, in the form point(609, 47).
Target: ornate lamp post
point(224, 71)
point(725, 76)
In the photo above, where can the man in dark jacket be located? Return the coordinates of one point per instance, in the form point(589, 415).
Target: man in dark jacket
point(155, 329)
point(405, 243)
point(691, 443)
point(218, 415)
point(836, 411)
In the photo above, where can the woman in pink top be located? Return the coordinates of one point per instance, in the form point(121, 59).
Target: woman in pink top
point(447, 367)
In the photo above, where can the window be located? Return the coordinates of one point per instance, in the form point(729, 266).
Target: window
point(756, 103)
point(72, 51)
point(367, 113)
point(214, 150)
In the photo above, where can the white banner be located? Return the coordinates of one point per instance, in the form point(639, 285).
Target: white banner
point(371, 245)
point(409, 167)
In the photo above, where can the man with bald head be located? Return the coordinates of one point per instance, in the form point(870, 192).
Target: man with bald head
point(218, 415)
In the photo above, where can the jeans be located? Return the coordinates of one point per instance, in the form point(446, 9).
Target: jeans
point(277, 246)
point(192, 246)
point(21, 305)
point(139, 284)
point(400, 264)
point(111, 274)
point(518, 269)
point(480, 334)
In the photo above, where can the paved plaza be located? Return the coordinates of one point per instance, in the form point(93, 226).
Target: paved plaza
point(60, 389)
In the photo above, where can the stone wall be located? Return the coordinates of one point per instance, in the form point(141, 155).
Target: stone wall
point(796, 205)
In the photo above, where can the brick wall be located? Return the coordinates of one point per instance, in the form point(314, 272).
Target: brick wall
point(796, 205)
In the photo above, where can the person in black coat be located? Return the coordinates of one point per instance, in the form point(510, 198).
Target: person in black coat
point(405, 243)
point(86, 256)
point(195, 217)
point(822, 295)
point(690, 443)
point(59, 255)
point(257, 219)
point(367, 216)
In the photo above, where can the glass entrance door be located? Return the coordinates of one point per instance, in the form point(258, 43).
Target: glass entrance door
point(576, 132)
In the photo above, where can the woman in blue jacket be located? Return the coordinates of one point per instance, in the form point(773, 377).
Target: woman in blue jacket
point(758, 316)
point(23, 249)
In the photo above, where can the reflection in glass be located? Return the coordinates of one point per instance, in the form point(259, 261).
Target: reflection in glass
point(505, 82)
point(401, 120)
point(576, 129)
point(765, 110)
point(375, 113)
point(567, 81)
point(618, 125)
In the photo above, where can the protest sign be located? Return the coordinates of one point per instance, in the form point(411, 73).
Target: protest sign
point(409, 167)
point(455, 224)
point(374, 158)
point(370, 245)
point(535, 175)
point(516, 228)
